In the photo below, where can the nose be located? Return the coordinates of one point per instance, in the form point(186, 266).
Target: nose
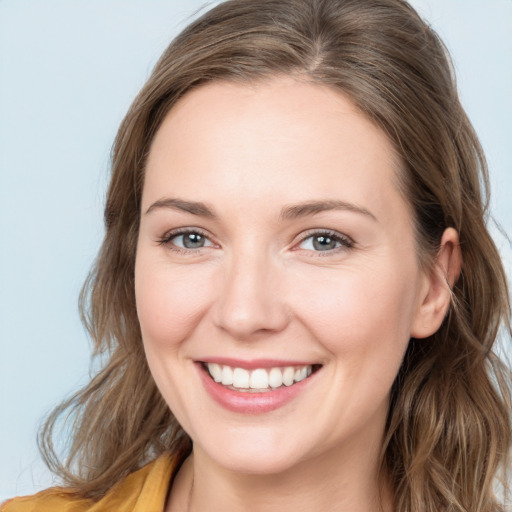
point(250, 302)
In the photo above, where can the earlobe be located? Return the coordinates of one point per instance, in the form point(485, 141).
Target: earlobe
point(435, 296)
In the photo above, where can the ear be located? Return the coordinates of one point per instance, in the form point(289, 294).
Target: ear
point(435, 293)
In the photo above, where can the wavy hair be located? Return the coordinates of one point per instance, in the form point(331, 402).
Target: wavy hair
point(449, 427)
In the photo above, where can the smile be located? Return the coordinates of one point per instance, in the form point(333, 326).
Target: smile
point(259, 379)
point(255, 387)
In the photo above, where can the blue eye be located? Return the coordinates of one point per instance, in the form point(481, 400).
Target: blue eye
point(325, 241)
point(188, 240)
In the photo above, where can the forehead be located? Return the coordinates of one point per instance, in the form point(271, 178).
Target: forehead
point(282, 139)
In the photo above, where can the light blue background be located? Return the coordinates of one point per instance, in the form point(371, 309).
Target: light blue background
point(68, 72)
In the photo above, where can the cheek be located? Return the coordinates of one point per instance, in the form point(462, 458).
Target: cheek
point(359, 311)
point(169, 300)
point(362, 318)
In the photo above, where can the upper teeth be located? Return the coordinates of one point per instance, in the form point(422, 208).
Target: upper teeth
point(261, 378)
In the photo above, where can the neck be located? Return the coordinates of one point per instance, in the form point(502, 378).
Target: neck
point(347, 481)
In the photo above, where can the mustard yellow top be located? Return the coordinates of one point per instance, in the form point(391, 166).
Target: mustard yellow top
point(143, 491)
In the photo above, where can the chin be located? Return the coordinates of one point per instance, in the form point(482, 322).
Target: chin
point(253, 454)
point(257, 463)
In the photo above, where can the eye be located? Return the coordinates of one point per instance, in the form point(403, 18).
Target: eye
point(186, 240)
point(325, 241)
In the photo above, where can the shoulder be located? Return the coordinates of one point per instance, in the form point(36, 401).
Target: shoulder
point(142, 491)
point(53, 499)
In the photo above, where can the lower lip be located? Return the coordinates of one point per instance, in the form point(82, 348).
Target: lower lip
point(251, 403)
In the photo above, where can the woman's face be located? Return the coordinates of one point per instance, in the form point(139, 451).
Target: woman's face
point(275, 248)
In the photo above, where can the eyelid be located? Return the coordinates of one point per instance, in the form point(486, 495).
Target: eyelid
point(345, 241)
point(173, 233)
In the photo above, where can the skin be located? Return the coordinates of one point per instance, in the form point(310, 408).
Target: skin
point(260, 288)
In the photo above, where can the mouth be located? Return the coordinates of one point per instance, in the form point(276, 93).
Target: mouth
point(258, 380)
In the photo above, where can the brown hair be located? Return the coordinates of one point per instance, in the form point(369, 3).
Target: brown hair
point(449, 429)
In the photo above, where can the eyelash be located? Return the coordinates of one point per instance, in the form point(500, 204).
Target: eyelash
point(344, 241)
point(168, 237)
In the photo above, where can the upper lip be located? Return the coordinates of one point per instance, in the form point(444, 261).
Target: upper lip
point(255, 363)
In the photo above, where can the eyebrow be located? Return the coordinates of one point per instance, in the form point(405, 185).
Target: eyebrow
point(193, 207)
point(288, 212)
point(312, 207)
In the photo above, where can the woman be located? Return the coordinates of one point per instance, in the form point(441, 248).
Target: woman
point(297, 292)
